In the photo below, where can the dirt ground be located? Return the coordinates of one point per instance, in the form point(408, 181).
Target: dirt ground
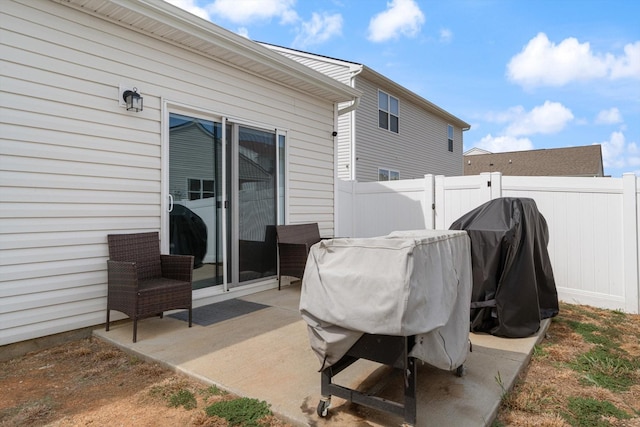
point(90, 383)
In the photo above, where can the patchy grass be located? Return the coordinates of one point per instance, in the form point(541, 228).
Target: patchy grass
point(587, 412)
point(183, 398)
point(585, 373)
point(240, 412)
point(213, 391)
point(35, 412)
point(603, 367)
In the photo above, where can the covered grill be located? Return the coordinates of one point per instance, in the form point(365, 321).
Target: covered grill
point(390, 299)
point(513, 284)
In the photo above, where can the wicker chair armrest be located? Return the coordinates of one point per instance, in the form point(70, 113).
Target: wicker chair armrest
point(177, 267)
point(122, 275)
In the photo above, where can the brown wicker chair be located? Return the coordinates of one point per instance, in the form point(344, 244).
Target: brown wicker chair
point(294, 242)
point(142, 282)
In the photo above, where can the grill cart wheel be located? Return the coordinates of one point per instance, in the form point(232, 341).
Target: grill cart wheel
point(460, 371)
point(323, 407)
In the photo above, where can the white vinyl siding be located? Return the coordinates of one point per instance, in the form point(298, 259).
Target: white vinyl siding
point(333, 69)
point(74, 166)
point(341, 71)
point(415, 151)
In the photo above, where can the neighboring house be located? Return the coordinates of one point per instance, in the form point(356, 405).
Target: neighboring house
point(569, 161)
point(393, 133)
point(227, 126)
point(475, 150)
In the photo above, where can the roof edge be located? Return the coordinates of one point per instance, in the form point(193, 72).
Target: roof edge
point(367, 71)
point(181, 20)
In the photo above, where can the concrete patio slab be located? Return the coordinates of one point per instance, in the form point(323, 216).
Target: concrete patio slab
point(266, 355)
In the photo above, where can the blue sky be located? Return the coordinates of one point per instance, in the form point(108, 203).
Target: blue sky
point(525, 74)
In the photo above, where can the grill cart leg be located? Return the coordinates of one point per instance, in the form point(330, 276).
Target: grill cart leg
point(388, 350)
point(410, 401)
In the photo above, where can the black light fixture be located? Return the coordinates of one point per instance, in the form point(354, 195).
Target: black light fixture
point(133, 100)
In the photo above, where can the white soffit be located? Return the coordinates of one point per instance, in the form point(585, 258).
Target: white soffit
point(167, 22)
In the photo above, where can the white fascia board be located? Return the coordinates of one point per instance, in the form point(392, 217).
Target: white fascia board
point(175, 24)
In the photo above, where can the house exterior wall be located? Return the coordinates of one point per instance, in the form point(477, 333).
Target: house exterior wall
point(419, 148)
point(335, 69)
point(75, 166)
point(343, 72)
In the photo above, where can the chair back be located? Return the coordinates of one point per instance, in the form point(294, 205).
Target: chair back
point(141, 248)
point(298, 233)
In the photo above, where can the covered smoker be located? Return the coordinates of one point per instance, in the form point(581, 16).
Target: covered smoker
point(513, 283)
point(188, 234)
point(413, 284)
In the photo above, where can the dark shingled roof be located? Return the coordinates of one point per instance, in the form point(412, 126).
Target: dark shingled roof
point(570, 161)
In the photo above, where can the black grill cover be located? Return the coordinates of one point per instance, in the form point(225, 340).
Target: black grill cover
point(513, 284)
point(188, 234)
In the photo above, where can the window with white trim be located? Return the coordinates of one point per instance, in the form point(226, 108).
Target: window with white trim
point(388, 112)
point(450, 138)
point(200, 188)
point(388, 175)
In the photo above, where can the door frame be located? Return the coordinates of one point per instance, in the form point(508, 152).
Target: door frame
point(169, 107)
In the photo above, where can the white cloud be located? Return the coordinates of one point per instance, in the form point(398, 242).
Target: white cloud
point(617, 153)
point(610, 116)
point(246, 11)
point(191, 7)
point(551, 117)
point(320, 28)
point(629, 64)
point(499, 144)
point(402, 18)
point(446, 35)
point(244, 32)
point(544, 63)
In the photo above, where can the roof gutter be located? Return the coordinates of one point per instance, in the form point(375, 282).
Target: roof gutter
point(356, 100)
point(350, 108)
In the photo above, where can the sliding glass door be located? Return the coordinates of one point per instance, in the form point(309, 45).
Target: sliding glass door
point(257, 181)
point(196, 168)
point(226, 195)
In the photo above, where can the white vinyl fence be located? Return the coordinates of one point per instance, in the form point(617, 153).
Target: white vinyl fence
point(593, 223)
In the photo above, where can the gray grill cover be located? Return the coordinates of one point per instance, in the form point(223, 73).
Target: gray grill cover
point(406, 283)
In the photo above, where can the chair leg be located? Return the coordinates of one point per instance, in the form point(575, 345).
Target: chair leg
point(107, 326)
point(279, 279)
point(190, 317)
point(135, 329)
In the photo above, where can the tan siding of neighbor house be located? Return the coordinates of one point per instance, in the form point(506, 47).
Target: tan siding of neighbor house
point(75, 166)
point(419, 148)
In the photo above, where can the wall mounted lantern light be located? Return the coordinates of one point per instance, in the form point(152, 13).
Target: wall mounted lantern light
point(133, 100)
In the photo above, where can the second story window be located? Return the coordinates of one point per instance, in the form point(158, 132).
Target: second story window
point(450, 138)
point(388, 112)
